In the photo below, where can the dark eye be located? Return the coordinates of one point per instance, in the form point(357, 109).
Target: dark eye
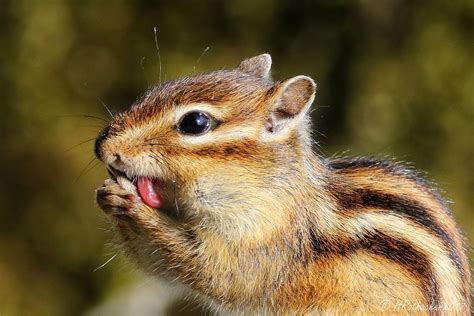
point(195, 123)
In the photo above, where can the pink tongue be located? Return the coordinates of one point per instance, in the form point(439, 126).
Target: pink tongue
point(148, 193)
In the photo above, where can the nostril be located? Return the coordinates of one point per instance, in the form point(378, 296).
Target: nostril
point(99, 140)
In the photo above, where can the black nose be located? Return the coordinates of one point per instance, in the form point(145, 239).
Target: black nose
point(99, 140)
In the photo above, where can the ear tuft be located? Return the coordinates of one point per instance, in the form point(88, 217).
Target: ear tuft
point(258, 66)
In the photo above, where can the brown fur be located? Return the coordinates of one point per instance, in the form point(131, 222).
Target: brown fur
point(255, 222)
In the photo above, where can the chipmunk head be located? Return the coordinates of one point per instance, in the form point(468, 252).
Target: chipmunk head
point(217, 145)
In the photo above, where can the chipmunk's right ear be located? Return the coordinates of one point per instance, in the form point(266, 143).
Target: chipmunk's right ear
point(289, 103)
point(258, 66)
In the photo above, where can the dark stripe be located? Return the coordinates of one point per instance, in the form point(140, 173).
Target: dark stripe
point(362, 162)
point(395, 168)
point(357, 199)
point(405, 255)
point(242, 149)
point(392, 249)
point(406, 207)
point(369, 199)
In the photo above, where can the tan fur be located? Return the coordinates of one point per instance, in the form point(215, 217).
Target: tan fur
point(255, 223)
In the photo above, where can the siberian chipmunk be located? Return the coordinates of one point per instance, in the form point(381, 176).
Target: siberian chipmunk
point(214, 185)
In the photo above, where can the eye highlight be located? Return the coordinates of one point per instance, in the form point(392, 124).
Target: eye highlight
point(195, 123)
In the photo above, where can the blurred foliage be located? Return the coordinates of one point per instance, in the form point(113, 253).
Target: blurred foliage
point(394, 77)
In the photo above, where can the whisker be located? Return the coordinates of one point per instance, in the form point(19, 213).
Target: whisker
point(199, 59)
point(106, 107)
point(319, 133)
point(157, 48)
point(84, 116)
point(87, 168)
point(105, 263)
point(91, 126)
point(81, 143)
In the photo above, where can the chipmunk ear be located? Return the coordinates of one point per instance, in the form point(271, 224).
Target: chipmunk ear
point(290, 102)
point(258, 66)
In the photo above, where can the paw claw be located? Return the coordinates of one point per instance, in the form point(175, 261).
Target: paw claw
point(113, 199)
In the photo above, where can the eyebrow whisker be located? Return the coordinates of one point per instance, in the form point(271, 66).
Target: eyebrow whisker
point(84, 116)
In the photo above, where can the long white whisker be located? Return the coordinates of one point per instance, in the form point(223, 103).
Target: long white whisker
point(106, 107)
point(157, 48)
point(84, 116)
point(105, 263)
point(199, 59)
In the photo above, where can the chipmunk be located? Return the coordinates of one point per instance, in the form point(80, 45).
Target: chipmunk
point(214, 185)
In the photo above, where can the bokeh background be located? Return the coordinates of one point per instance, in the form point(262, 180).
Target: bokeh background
point(395, 78)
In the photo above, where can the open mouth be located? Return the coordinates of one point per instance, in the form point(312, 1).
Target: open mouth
point(147, 187)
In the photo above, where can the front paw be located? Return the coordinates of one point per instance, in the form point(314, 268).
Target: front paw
point(114, 199)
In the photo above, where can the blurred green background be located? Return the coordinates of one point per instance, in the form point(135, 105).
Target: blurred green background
point(395, 78)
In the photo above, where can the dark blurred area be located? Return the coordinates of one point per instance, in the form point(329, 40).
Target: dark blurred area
point(395, 78)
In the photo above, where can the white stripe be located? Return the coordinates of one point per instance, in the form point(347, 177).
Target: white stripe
point(399, 227)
